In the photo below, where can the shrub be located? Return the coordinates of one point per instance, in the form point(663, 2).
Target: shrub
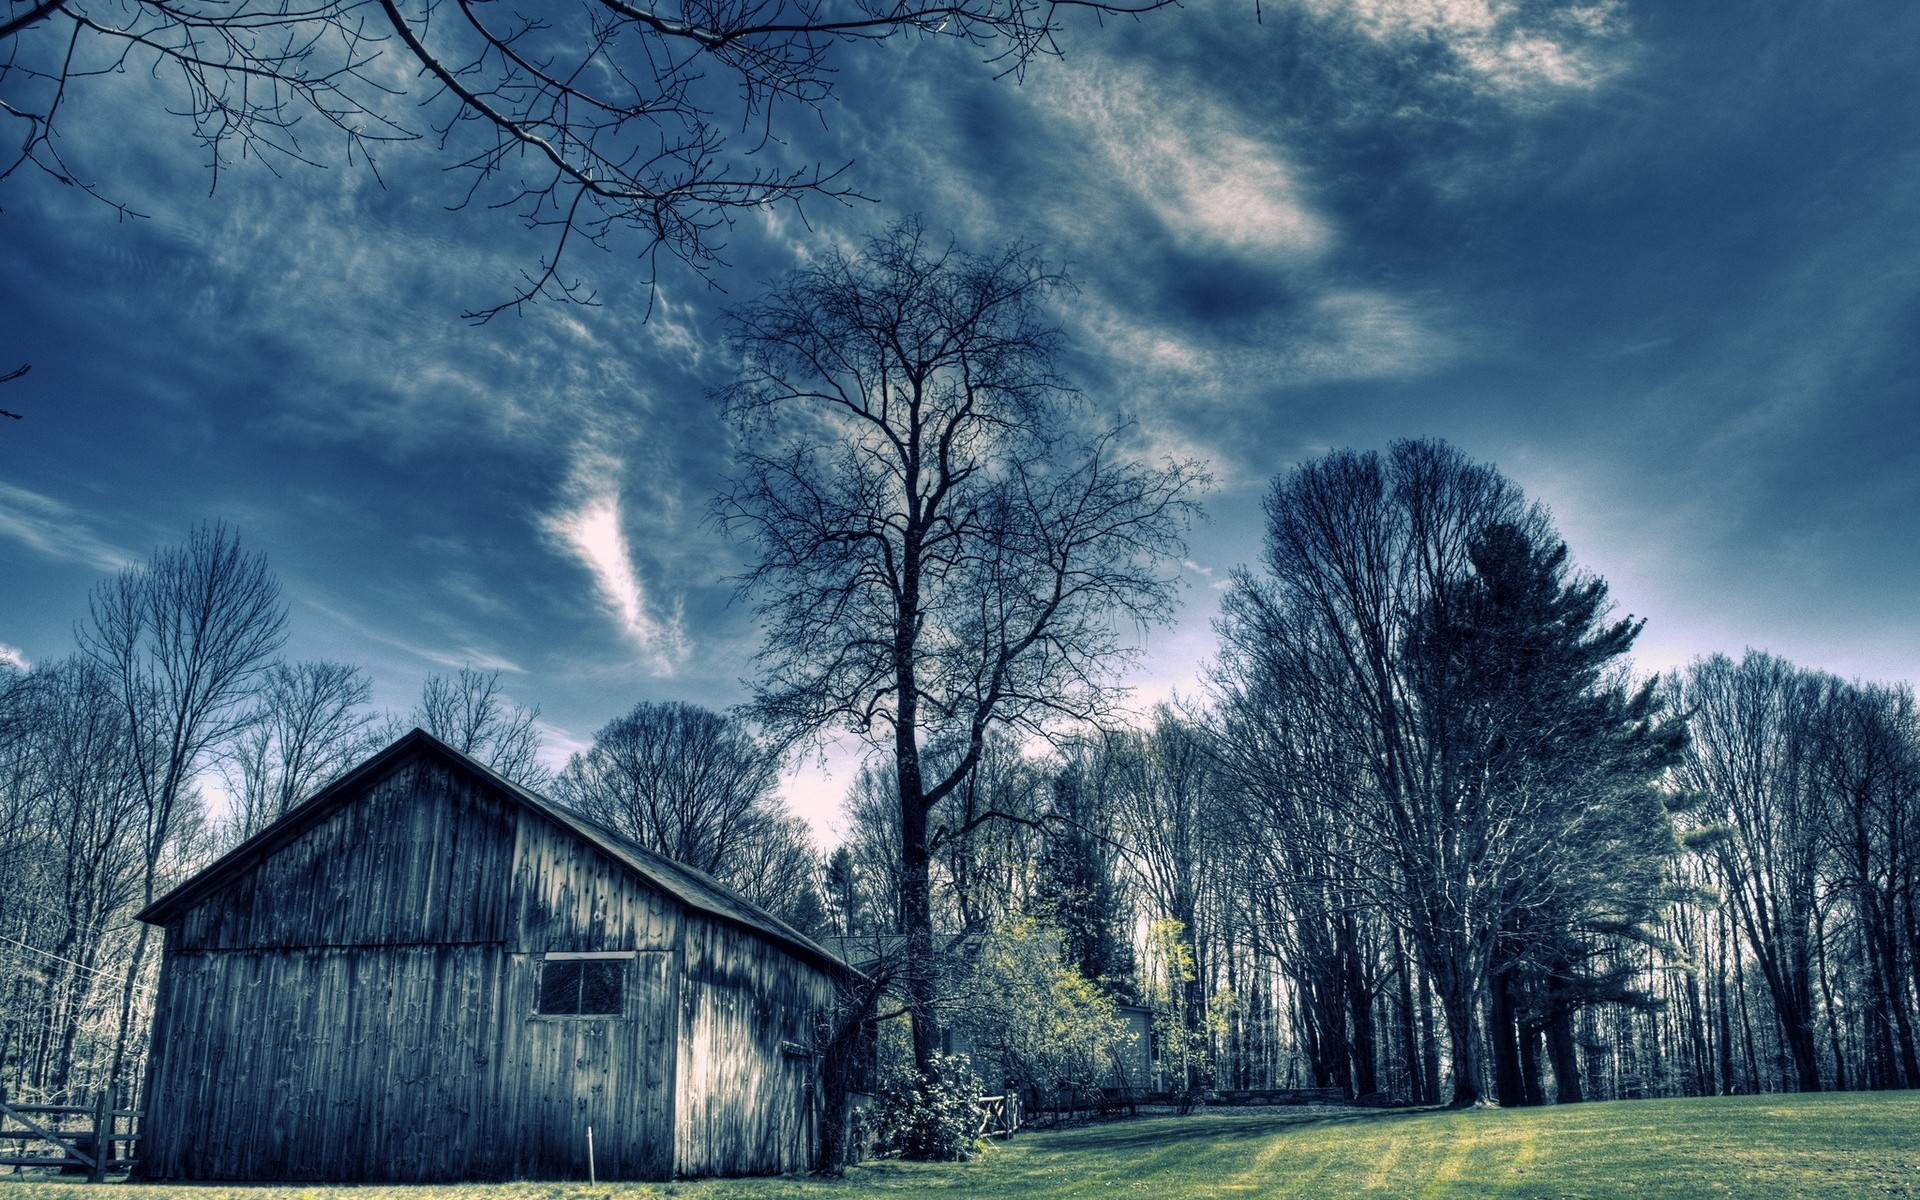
point(1034, 1019)
point(934, 1117)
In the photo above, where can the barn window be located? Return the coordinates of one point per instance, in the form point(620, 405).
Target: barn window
point(582, 985)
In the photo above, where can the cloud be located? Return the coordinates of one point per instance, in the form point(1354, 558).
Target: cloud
point(592, 530)
point(466, 656)
point(1191, 163)
point(11, 656)
point(54, 530)
point(1507, 46)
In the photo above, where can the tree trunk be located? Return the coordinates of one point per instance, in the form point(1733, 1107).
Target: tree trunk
point(116, 1072)
point(1430, 1045)
point(1833, 1023)
point(1531, 1068)
point(1456, 1006)
point(1503, 1034)
point(1409, 1030)
point(1366, 1079)
point(916, 926)
point(1563, 1051)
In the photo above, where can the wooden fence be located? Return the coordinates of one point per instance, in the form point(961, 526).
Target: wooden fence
point(999, 1115)
point(88, 1147)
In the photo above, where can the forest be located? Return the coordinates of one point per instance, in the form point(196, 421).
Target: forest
point(1422, 832)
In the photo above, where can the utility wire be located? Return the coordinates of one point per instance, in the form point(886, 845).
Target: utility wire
point(138, 987)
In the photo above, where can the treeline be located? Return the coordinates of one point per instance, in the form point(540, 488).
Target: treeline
point(1428, 838)
point(1422, 835)
point(175, 730)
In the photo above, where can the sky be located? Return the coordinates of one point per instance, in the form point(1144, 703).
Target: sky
point(1658, 263)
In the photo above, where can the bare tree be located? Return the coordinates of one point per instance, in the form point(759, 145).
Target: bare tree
point(681, 780)
point(776, 866)
point(697, 786)
point(311, 723)
point(70, 864)
point(184, 641)
point(1167, 801)
point(469, 712)
point(938, 553)
point(1869, 756)
point(587, 118)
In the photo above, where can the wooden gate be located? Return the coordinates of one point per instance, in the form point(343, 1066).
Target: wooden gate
point(48, 1139)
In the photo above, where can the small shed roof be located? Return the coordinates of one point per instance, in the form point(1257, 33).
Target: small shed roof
point(695, 889)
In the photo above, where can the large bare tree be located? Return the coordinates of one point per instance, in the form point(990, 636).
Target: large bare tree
point(589, 119)
point(698, 787)
point(183, 641)
point(940, 552)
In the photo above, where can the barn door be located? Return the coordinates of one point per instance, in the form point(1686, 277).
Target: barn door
point(597, 1055)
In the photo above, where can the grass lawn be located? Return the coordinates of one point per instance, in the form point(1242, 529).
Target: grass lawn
point(1852, 1145)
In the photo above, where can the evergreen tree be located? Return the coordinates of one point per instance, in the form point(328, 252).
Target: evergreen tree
point(1523, 663)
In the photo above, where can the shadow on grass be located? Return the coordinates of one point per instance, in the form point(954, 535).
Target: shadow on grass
point(1218, 1127)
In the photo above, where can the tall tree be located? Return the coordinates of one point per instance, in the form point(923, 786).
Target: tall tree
point(184, 641)
point(1443, 674)
point(1079, 889)
point(1519, 666)
point(1166, 799)
point(1754, 757)
point(940, 551)
point(70, 860)
point(1869, 756)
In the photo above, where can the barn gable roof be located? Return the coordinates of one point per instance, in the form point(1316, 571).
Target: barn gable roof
point(695, 889)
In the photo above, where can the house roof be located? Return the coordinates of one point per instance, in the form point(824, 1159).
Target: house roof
point(695, 889)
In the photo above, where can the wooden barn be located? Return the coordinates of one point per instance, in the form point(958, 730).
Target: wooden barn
point(428, 973)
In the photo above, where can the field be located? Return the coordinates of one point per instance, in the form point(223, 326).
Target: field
point(1852, 1146)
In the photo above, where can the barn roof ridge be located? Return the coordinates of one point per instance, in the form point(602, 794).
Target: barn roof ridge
point(692, 887)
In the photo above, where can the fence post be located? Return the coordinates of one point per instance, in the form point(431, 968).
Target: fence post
point(102, 1135)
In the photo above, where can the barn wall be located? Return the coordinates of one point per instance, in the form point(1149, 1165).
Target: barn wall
point(416, 860)
point(344, 1063)
point(747, 1094)
point(359, 1003)
point(614, 1074)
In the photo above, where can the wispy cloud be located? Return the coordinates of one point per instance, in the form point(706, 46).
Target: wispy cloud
point(592, 530)
point(1506, 46)
point(464, 656)
point(54, 529)
point(14, 657)
point(1188, 159)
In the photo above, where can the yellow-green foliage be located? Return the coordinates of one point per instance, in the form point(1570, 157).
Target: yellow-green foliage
point(1844, 1146)
point(1182, 1044)
point(1034, 1018)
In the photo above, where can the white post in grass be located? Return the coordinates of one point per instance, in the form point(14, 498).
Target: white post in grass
point(591, 1181)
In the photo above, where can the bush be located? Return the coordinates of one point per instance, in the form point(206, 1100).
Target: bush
point(932, 1118)
point(1034, 1019)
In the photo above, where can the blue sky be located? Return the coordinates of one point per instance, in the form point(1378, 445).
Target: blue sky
point(1660, 263)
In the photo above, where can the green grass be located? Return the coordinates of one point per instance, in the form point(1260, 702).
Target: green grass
point(1760, 1147)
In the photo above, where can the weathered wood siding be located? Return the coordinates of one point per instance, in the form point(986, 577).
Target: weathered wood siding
point(615, 1074)
point(418, 859)
point(332, 1064)
point(356, 1003)
point(747, 1096)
